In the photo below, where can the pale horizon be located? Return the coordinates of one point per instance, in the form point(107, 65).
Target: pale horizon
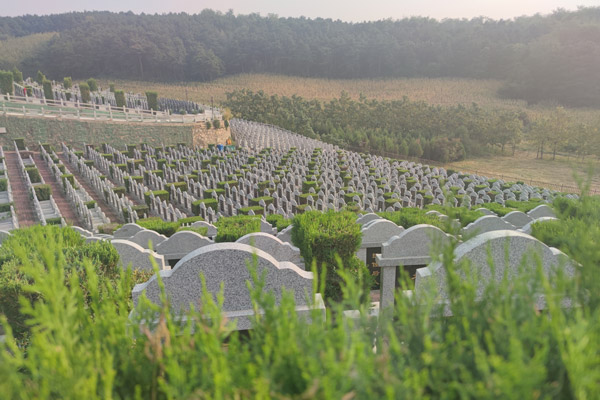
point(351, 11)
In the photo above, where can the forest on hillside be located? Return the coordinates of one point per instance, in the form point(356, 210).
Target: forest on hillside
point(540, 58)
point(417, 129)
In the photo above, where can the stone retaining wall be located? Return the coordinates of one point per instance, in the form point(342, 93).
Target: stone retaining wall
point(78, 132)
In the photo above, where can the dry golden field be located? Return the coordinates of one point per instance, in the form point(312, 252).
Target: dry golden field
point(525, 167)
point(440, 91)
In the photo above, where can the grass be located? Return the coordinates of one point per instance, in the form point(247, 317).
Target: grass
point(440, 91)
point(525, 167)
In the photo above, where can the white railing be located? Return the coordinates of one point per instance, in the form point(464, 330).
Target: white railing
point(31, 106)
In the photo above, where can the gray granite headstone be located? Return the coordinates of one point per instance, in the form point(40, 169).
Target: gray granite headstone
point(137, 256)
point(144, 236)
point(181, 244)
point(542, 211)
point(228, 263)
point(522, 251)
point(281, 251)
point(411, 247)
point(487, 223)
point(528, 228)
point(517, 218)
point(127, 231)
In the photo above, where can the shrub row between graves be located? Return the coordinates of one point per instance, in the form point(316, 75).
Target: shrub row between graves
point(510, 205)
point(34, 174)
point(328, 239)
point(166, 228)
point(231, 229)
point(43, 192)
point(407, 217)
point(3, 185)
point(278, 221)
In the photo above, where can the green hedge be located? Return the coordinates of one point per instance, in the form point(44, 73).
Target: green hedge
point(307, 185)
point(140, 210)
point(20, 142)
point(158, 225)
point(230, 229)
point(178, 185)
point(3, 185)
point(42, 192)
point(90, 204)
point(267, 199)
point(321, 237)
point(257, 210)
point(162, 194)
point(5, 207)
point(221, 185)
point(68, 177)
point(213, 203)
point(408, 217)
point(54, 221)
point(208, 193)
point(278, 221)
point(6, 82)
point(34, 174)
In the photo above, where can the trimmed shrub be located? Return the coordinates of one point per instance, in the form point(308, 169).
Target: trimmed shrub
point(34, 174)
point(3, 185)
point(267, 199)
point(140, 210)
point(208, 193)
point(178, 185)
point(198, 229)
point(231, 229)
point(152, 98)
point(85, 92)
point(137, 178)
point(20, 142)
point(158, 225)
point(304, 198)
point(54, 221)
point(90, 204)
point(17, 75)
point(39, 78)
point(120, 98)
point(278, 221)
point(67, 82)
point(212, 203)
point(92, 84)
point(6, 82)
point(68, 177)
point(5, 207)
point(257, 210)
point(42, 192)
point(189, 220)
point(408, 217)
point(231, 183)
point(307, 185)
point(322, 238)
point(162, 194)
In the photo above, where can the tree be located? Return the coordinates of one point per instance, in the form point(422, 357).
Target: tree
point(48, 92)
point(120, 98)
point(17, 75)
point(558, 129)
point(40, 77)
point(85, 92)
point(92, 84)
point(152, 98)
point(414, 149)
point(6, 82)
point(67, 82)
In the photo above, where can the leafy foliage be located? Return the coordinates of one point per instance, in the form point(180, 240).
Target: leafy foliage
point(231, 229)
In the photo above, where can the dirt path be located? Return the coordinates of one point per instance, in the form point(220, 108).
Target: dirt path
point(22, 203)
point(106, 209)
point(66, 209)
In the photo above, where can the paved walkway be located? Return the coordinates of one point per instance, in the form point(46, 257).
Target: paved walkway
point(106, 209)
point(66, 209)
point(23, 205)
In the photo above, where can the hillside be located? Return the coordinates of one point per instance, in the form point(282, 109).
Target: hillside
point(17, 50)
point(538, 58)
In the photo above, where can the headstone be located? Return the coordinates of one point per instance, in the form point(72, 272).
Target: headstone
point(487, 223)
point(137, 256)
point(227, 263)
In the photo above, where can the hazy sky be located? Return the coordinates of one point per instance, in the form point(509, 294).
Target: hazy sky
point(347, 10)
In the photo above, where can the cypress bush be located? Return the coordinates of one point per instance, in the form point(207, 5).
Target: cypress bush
point(6, 82)
point(67, 82)
point(92, 84)
point(3, 185)
point(40, 77)
point(48, 93)
point(120, 98)
point(152, 98)
point(213, 203)
point(325, 238)
point(84, 88)
point(17, 75)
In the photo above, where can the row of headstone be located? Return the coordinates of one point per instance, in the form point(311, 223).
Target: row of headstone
point(8, 219)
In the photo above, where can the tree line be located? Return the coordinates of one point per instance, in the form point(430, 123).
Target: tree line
point(415, 128)
point(553, 57)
